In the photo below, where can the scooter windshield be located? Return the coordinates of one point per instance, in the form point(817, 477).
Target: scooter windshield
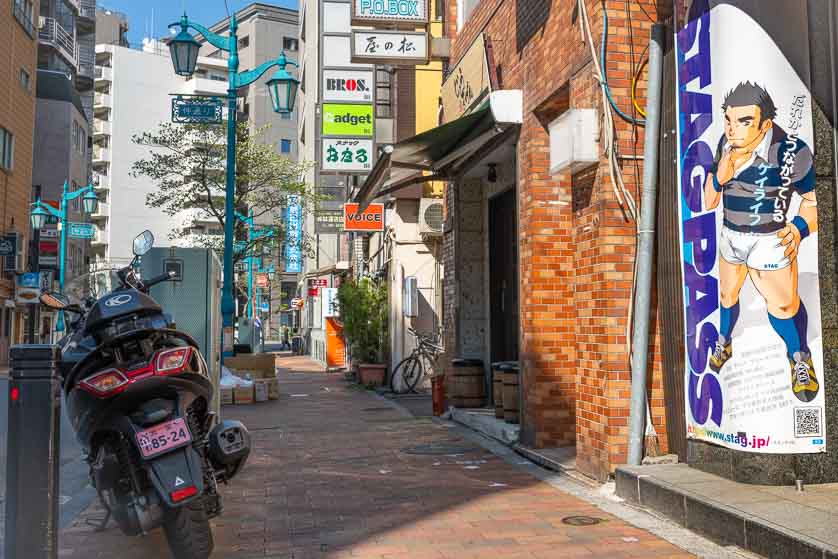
point(85, 289)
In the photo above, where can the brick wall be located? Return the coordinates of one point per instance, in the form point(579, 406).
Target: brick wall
point(575, 264)
point(17, 114)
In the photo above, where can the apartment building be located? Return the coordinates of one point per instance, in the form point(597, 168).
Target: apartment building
point(17, 93)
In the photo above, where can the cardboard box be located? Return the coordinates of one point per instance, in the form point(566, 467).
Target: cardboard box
point(273, 389)
point(260, 391)
point(226, 396)
point(243, 394)
point(260, 365)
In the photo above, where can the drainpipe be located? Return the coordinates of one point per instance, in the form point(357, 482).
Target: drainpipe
point(645, 251)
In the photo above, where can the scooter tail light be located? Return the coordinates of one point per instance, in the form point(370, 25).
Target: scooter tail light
point(185, 493)
point(172, 361)
point(105, 382)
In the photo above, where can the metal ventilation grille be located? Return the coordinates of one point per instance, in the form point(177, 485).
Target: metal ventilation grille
point(433, 216)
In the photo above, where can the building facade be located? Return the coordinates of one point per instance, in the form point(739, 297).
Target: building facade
point(17, 123)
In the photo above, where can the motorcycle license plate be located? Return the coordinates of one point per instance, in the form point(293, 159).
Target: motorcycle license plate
point(163, 438)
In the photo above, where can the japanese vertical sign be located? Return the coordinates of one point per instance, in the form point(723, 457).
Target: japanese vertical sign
point(749, 221)
point(293, 241)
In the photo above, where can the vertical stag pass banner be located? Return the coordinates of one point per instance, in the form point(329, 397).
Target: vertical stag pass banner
point(754, 360)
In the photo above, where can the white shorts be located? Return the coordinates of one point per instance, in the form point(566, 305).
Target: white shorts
point(758, 251)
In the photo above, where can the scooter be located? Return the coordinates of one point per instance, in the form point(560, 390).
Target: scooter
point(138, 395)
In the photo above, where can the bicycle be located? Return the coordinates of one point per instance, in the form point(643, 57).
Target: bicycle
point(411, 369)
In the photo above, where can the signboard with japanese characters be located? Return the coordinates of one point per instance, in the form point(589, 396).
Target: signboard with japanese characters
point(390, 12)
point(342, 119)
point(468, 82)
point(293, 241)
point(348, 85)
point(347, 155)
point(328, 221)
point(406, 48)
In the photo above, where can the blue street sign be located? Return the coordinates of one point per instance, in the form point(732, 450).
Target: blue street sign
point(203, 110)
point(266, 307)
point(82, 230)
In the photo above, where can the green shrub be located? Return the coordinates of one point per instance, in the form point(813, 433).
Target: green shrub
point(363, 311)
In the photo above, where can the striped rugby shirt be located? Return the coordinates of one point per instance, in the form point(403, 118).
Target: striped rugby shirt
point(757, 198)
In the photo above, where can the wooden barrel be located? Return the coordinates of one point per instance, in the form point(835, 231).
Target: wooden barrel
point(467, 384)
point(510, 394)
point(497, 392)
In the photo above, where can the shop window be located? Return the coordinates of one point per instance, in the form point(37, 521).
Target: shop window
point(290, 44)
point(7, 149)
point(383, 94)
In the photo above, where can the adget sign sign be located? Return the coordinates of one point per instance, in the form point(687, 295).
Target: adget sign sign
point(347, 85)
point(408, 12)
point(341, 119)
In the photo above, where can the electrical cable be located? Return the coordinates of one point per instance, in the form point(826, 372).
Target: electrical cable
point(635, 80)
point(605, 88)
point(623, 195)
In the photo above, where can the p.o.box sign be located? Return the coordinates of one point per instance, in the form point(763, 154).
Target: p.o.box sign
point(410, 13)
point(370, 220)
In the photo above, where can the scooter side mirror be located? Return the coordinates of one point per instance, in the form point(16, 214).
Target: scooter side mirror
point(54, 300)
point(143, 243)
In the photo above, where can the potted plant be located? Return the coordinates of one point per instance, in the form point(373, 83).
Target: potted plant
point(363, 310)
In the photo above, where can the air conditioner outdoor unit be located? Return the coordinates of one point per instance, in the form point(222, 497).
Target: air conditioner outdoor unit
point(430, 216)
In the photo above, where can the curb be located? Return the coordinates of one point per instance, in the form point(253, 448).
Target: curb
point(715, 520)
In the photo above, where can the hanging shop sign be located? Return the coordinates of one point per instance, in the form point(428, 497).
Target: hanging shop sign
point(399, 48)
point(48, 254)
point(293, 242)
point(329, 298)
point(262, 280)
point(390, 12)
point(341, 119)
point(328, 221)
point(313, 291)
point(197, 110)
point(749, 218)
point(347, 155)
point(318, 282)
point(28, 288)
point(8, 245)
point(468, 83)
point(348, 85)
point(371, 219)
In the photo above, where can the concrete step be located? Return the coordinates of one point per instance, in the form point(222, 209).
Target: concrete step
point(775, 522)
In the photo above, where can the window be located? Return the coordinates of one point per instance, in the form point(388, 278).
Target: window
point(285, 146)
point(25, 79)
point(290, 44)
point(383, 100)
point(244, 42)
point(7, 149)
point(23, 10)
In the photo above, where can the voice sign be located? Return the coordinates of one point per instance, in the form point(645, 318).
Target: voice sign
point(402, 8)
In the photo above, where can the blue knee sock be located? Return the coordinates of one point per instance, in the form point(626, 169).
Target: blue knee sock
point(727, 320)
point(792, 331)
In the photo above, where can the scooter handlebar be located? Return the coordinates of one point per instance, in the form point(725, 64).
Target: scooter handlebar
point(158, 279)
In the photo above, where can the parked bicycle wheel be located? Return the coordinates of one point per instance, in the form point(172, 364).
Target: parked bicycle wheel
point(406, 375)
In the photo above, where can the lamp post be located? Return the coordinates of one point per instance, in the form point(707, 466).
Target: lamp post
point(42, 213)
point(248, 220)
point(283, 90)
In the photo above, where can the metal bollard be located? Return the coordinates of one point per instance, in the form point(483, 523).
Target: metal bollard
point(33, 458)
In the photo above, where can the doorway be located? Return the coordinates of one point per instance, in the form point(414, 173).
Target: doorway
point(503, 277)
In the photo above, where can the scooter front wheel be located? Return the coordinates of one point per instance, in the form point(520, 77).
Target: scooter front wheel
point(188, 531)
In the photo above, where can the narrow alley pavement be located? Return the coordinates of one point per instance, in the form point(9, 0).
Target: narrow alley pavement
point(339, 472)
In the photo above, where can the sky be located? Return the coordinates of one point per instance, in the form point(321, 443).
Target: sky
point(141, 13)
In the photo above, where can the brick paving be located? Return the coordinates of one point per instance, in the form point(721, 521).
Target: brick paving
point(337, 472)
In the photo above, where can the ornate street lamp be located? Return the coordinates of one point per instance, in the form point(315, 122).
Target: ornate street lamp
point(39, 218)
point(184, 50)
point(283, 88)
point(90, 202)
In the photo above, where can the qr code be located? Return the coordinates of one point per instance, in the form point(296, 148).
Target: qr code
point(807, 422)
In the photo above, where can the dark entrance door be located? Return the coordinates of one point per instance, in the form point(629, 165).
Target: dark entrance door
point(503, 277)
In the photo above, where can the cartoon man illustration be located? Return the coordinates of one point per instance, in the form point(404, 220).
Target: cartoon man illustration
point(758, 166)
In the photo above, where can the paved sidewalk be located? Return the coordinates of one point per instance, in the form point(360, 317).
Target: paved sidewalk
point(338, 472)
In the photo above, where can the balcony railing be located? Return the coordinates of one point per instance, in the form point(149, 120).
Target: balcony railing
point(104, 73)
point(101, 127)
point(101, 181)
point(101, 100)
point(51, 33)
point(101, 154)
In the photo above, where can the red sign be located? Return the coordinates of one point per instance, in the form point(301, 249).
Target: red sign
point(371, 219)
point(313, 291)
point(318, 282)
